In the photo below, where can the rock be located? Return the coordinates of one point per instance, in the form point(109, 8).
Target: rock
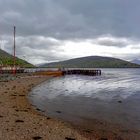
point(103, 139)
point(37, 138)
point(67, 138)
point(119, 101)
point(19, 121)
point(58, 111)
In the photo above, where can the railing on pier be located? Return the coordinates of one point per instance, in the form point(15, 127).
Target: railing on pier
point(83, 72)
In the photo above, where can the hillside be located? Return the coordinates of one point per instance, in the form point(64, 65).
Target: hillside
point(136, 61)
point(7, 59)
point(92, 62)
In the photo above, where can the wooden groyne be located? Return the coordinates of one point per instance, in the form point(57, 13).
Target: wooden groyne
point(83, 72)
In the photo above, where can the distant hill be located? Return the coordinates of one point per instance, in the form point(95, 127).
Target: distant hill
point(136, 61)
point(7, 59)
point(92, 62)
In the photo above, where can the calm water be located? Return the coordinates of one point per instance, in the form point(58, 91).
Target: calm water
point(113, 97)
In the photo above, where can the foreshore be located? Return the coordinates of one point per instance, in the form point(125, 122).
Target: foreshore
point(19, 120)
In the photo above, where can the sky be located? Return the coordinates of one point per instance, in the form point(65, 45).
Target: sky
point(55, 30)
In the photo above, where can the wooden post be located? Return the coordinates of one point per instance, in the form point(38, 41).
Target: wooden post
point(14, 61)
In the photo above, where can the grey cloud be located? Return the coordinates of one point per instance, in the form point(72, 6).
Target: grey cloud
point(70, 19)
point(35, 42)
point(38, 42)
point(112, 41)
point(38, 56)
point(117, 17)
point(128, 57)
point(35, 49)
point(41, 17)
point(38, 49)
point(136, 46)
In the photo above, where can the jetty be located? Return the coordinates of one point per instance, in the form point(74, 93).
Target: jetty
point(55, 72)
point(70, 71)
point(82, 72)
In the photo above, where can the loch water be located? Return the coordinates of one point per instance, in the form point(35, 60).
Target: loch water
point(113, 97)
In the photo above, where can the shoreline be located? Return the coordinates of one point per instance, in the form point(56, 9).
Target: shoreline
point(19, 120)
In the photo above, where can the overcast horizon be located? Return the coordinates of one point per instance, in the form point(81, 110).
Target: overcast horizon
point(56, 30)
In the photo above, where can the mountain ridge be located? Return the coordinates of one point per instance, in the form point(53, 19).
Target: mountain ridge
point(136, 61)
point(92, 62)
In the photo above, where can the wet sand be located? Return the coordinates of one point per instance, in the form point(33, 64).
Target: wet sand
point(19, 120)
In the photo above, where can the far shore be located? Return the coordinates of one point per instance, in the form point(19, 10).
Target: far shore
point(19, 120)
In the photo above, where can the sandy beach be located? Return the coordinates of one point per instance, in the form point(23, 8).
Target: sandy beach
point(20, 121)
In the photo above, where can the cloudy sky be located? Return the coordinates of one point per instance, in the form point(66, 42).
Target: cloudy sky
point(53, 30)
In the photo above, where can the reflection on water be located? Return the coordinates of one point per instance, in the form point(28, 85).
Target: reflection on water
point(113, 97)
